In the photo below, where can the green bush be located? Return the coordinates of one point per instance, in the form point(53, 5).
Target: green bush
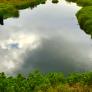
point(10, 8)
point(54, 1)
point(82, 2)
point(50, 82)
point(84, 17)
point(56, 78)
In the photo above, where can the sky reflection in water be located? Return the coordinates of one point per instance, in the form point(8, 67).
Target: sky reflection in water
point(47, 38)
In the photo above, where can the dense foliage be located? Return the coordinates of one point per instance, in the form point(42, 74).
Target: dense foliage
point(50, 82)
point(82, 2)
point(10, 8)
point(84, 15)
point(85, 19)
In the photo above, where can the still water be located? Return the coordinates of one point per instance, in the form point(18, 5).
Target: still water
point(47, 38)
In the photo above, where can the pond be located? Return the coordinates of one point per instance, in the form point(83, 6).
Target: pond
point(47, 38)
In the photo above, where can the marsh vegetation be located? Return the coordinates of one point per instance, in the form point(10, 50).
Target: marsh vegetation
point(54, 1)
point(50, 82)
point(46, 82)
point(84, 15)
point(10, 8)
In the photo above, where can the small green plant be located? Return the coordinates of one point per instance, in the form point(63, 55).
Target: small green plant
point(54, 1)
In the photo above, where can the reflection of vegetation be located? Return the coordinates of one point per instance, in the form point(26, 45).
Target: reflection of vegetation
point(54, 1)
point(1, 20)
point(51, 82)
point(84, 15)
point(10, 8)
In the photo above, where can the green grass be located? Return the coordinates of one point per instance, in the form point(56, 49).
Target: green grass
point(50, 82)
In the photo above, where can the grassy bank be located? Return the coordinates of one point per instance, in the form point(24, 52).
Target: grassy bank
point(51, 82)
point(9, 8)
point(84, 15)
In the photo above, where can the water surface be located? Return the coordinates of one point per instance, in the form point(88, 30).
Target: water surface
point(47, 38)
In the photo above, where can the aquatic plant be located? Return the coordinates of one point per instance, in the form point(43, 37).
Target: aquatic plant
point(54, 1)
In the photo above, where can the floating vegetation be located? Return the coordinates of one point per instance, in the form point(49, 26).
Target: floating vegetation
point(54, 1)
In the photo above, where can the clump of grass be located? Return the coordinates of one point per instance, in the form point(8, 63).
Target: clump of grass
point(8, 10)
point(54, 1)
point(84, 17)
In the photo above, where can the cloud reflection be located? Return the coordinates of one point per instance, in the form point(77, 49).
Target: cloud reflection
point(47, 38)
point(13, 47)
